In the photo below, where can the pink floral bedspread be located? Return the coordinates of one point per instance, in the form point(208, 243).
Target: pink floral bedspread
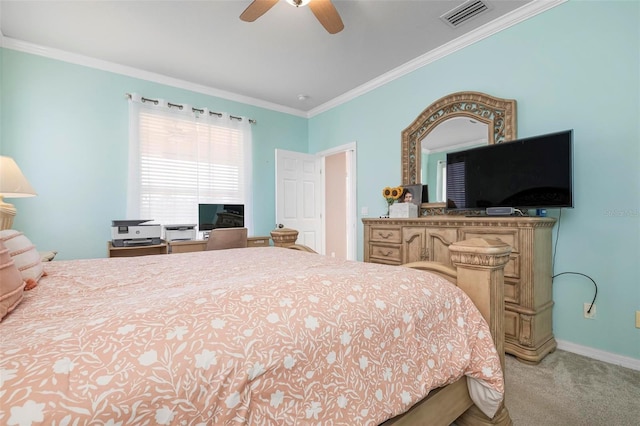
point(260, 336)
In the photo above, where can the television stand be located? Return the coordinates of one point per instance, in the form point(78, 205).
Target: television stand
point(527, 275)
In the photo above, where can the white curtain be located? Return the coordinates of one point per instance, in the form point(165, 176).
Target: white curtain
point(180, 156)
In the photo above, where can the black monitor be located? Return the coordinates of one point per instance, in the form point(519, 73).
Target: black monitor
point(212, 216)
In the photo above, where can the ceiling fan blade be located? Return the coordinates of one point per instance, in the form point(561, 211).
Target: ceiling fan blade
point(327, 14)
point(257, 9)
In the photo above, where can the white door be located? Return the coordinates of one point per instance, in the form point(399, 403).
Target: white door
point(299, 196)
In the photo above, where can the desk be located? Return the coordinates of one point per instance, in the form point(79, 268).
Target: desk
point(137, 250)
point(201, 245)
point(258, 242)
point(187, 246)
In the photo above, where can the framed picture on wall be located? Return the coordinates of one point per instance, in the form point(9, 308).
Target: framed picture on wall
point(411, 194)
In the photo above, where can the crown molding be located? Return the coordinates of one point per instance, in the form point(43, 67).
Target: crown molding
point(510, 19)
point(23, 46)
point(521, 14)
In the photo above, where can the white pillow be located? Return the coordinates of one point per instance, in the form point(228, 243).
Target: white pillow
point(47, 256)
point(11, 283)
point(24, 255)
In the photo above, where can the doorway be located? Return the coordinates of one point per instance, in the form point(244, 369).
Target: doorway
point(339, 202)
point(316, 194)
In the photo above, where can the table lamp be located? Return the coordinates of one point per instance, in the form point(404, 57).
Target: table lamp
point(13, 184)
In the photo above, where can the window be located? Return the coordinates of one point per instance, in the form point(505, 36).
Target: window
point(182, 156)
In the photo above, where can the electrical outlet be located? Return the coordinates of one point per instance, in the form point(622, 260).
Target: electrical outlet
point(637, 319)
point(587, 314)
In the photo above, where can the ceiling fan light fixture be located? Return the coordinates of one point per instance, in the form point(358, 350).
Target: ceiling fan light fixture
point(298, 3)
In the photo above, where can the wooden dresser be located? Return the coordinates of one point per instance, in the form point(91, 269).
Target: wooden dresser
point(528, 293)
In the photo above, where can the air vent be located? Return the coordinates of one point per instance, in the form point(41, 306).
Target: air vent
point(465, 12)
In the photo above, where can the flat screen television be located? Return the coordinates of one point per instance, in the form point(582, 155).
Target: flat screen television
point(535, 172)
point(212, 216)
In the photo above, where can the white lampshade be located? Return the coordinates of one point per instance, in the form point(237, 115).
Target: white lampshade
point(13, 184)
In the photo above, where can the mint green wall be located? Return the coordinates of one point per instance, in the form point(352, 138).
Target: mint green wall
point(67, 127)
point(576, 66)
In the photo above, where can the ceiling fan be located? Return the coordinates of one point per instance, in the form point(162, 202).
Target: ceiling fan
point(324, 10)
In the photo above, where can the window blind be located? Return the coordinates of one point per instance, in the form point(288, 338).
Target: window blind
point(185, 159)
point(455, 186)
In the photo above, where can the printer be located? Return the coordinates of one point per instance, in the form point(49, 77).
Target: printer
point(128, 233)
point(180, 232)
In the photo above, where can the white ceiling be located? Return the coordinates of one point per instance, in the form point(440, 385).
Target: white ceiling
point(270, 62)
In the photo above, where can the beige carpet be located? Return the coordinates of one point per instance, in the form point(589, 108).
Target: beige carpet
point(568, 389)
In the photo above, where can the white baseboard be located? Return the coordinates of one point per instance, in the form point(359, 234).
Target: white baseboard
point(608, 357)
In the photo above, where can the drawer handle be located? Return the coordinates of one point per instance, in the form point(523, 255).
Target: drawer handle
point(387, 253)
point(385, 236)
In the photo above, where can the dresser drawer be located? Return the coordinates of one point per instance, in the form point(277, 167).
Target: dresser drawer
point(384, 253)
point(385, 234)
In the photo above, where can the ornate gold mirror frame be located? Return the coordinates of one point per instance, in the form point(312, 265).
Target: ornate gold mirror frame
point(497, 113)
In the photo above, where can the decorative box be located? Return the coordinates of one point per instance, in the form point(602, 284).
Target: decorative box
point(397, 210)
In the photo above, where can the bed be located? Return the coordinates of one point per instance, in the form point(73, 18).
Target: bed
point(264, 336)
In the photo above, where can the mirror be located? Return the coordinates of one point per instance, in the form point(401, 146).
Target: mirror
point(453, 134)
point(497, 114)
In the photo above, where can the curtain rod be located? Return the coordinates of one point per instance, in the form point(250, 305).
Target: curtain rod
point(219, 114)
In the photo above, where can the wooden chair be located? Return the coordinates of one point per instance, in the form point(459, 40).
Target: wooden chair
point(227, 238)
